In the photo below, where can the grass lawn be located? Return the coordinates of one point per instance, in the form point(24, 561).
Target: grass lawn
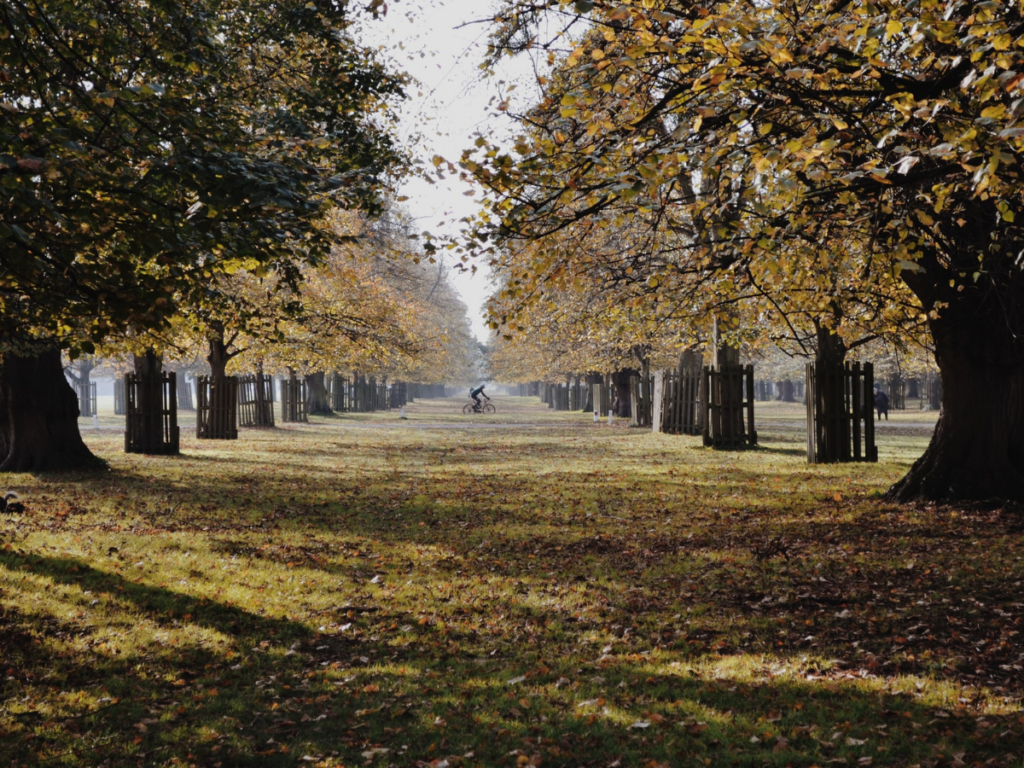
point(535, 590)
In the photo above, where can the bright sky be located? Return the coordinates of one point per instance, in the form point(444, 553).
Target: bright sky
point(438, 43)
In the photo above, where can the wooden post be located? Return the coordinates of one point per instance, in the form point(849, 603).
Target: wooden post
point(870, 450)
point(658, 401)
point(812, 456)
point(751, 431)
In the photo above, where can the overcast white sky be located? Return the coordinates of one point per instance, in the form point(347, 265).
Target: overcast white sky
point(436, 42)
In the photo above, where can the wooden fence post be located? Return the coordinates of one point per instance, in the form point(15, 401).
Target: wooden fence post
point(658, 401)
point(119, 404)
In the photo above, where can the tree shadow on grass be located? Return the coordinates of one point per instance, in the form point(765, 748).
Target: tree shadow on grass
point(364, 699)
point(781, 451)
point(160, 605)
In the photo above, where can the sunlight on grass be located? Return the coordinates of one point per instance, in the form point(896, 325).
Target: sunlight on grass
point(561, 592)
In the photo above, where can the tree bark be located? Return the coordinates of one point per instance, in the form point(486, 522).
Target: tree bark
point(39, 417)
point(977, 450)
point(222, 397)
point(620, 380)
point(317, 400)
point(592, 379)
point(218, 357)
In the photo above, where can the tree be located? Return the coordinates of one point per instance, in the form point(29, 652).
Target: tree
point(148, 148)
point(749, 132)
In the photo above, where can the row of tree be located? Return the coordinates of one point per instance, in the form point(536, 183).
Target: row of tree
point(371, 307)
point(817, 175)
point(200, 174)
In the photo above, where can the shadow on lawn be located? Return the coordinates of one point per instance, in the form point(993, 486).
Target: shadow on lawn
point(349, 697)
point(160, 605)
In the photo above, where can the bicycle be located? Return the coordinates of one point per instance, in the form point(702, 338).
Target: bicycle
point(469, 408)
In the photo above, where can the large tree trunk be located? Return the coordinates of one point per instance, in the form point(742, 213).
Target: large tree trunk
point(620, 380)
point(39, 417)
point(833, 429)
point(223, 405)
point(977, 449)
point(317, 400)
point(218, 358)
point(592, 379)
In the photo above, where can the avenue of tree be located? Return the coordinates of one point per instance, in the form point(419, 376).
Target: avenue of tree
point(198, 173)
point(830, 173)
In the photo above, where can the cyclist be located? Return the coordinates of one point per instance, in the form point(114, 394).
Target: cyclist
point(475, 394)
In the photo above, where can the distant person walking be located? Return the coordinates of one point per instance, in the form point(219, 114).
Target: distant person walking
point(882, 404)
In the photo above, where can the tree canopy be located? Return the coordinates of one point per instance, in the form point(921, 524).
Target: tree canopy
point(146, 148)
point(866, 148)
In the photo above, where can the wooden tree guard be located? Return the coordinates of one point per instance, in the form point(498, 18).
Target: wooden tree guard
point(577, 394)
point(730, 397)
point(217, 408)
point(337, 390)
point(934, 392)
point(256, 401)
point(86, 398)
point(839, 399)
point(558, 396)
point(398, 394)
point(184, 394)
point(151, 414)
point(604, 396)
point(680, 401)
point(119, 406)
point(359, 395)
point(640, 397)
point(293, 400)
point(897, 393)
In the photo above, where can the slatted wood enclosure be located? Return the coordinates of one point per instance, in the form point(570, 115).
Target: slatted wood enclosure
point(293, 400)
point(337, 392)
point(729, 407)
point(397, 394)
point(604, 398)
point(896, 389)
point(151, 414)
point(185, 402)
point(840, 413)
point(256, 400)
point(119, 406)
point(86, 393)
point(932, 396)
point(640, 400)
point(578, 394)
point(217, 408)
point(559, 396)
point(681, 402)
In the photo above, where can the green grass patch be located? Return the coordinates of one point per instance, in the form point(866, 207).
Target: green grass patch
point(370, 591)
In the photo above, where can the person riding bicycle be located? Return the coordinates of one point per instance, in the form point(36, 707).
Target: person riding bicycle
point(475, 394)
